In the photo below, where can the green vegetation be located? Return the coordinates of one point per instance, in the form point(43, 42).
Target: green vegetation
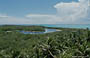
point(63, 44)
point(20, 28)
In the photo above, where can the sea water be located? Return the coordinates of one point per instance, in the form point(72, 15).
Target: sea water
point(58, 25)
point(67, 25)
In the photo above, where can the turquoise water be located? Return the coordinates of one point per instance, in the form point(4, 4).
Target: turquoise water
point(63, 25)
point(67, 25)
point(59, 25)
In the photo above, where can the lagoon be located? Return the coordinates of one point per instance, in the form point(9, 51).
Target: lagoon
point(46, 31)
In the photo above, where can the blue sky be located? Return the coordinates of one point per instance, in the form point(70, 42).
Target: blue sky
point(22, 7)
point(37, 11)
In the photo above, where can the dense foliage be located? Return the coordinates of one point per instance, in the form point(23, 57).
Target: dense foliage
point(68, 43)
point(24, 28)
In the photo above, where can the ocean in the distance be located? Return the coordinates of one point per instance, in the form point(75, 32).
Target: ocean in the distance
point(63, 25)
point(67, 25)
point(60, 25)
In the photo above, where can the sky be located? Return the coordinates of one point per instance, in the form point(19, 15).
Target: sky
point(44, 11)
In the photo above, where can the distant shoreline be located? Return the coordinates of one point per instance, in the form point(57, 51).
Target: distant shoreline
point(81, 26)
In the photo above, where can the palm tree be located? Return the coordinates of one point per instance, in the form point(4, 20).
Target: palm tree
point(47, 49)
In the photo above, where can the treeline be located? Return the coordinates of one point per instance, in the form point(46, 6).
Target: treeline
point(21, 28)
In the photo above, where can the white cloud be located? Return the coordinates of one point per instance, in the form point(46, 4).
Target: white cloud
point(15, 20)
point(73, 12)
point(42, 18)
point(3, 16)
point(38, 15)
point(30, 20)
point(67, 13)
